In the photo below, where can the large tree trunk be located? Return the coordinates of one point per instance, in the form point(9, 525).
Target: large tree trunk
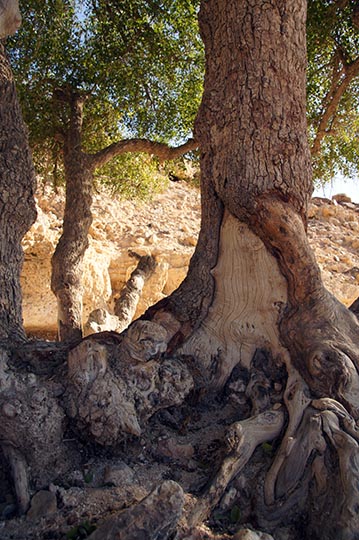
point(17, 204)
point(254, 284)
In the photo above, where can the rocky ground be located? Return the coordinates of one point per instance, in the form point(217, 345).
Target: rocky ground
point(182, 444)
point(167, 227)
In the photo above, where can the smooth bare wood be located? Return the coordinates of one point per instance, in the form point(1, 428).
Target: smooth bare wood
point(242, 439)
point(250, 293)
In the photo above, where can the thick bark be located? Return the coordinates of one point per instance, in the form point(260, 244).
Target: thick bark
point(259, 281)
point(17, 205)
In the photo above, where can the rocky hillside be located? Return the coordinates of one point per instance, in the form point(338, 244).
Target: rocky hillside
point(167, 228)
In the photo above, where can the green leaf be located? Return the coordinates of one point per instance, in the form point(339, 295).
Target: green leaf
point(235, 514)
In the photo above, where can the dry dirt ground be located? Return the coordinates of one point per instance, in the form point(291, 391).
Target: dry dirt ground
point(186, 443)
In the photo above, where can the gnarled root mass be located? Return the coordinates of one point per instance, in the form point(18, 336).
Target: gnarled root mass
point(309, 444)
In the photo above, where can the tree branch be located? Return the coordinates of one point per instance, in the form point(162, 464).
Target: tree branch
point(332, 100)
point(160, 150)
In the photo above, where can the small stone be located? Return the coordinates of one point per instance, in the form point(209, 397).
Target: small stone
point(328, 211)
point(229, 498)
point(152, 239)
point(119, 475)
point(189, 241)
point(8, 511)
point(9, 410)
point(185, 228)
point(172, 449)
point(76, 478)
point(341, 197)
point(248, 534)
point(43, 503)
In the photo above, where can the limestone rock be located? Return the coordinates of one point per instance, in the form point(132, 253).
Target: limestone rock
point(341, 197)
point(119, 475)
point(167, 228)
point(118, 227)
point(171, 448)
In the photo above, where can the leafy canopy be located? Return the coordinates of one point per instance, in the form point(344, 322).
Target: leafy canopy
point(139, 64)
point(333, 68)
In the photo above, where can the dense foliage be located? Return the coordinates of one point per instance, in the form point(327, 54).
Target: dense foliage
point(139, 64)
point(333, 86)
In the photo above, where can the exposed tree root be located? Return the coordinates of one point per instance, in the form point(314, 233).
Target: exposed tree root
point(242, 439)
point(296, 399)
point(112, 396)
point(19, 474)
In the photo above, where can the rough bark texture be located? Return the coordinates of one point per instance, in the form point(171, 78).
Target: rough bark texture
point(111, 397)
point(17, 205)
point(255, 163)
point(68, 257)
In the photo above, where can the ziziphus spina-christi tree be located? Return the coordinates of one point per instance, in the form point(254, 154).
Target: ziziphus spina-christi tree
point(253, 283)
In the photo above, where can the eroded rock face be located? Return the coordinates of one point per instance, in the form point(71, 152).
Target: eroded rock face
point(165, 228)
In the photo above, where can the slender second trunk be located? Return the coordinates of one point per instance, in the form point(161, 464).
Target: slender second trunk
point(67, 260)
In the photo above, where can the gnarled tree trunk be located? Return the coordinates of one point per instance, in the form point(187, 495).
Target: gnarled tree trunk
point(17, 205)
point(254, 284)
point(252, 315)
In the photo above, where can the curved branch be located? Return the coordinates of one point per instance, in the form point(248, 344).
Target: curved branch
point(331, 101)
point(160, 150)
